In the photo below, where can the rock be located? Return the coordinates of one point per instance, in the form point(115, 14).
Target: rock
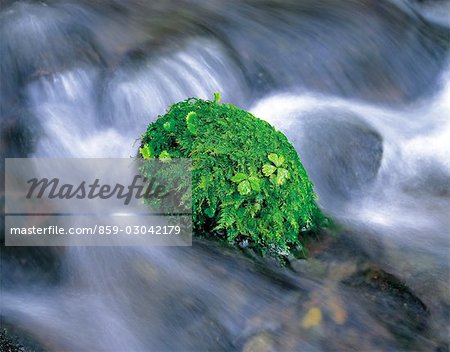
point(341, 152)
point(18, 134)
point(38, 40)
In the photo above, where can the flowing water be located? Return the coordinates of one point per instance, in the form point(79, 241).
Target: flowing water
point(362, 90)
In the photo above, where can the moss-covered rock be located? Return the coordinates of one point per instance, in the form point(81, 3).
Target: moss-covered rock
point(248, 184)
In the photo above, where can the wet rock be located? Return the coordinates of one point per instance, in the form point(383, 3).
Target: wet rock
point(341, 152)
point(386, 298)
point(29, 266)
point(18, 134)
point(222, 300)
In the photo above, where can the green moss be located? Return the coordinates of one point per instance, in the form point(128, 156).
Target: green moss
point(248, 184)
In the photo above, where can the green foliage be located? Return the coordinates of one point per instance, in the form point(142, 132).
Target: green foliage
point(146, 152)
point(248, 183)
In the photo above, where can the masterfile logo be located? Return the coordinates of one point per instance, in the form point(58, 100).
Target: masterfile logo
point(101, 202)
point(140, 188)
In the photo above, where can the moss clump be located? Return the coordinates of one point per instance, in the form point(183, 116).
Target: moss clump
point(248, 184)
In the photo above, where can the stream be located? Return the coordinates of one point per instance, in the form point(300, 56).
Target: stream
point(361, 89)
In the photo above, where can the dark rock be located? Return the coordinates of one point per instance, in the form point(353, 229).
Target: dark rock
point(18, 134)
point(341, 152)
point(391, 302)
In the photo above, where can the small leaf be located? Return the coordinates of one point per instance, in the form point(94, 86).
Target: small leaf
point(280, 160)
point(255, 183)
point(216, 97)
point(254, 209)
point(168, 126)
point(273, 178)
point(239, 177)
point(273, 158)
point(146, 152)
point(277, 160)
point(244, 188)
point(268, 169)
point(191, 117)
point(190, 120)
point(282, 176)
point(164, 155)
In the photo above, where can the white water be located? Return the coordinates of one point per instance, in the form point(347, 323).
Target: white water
point(139, 299)
point(407, 205)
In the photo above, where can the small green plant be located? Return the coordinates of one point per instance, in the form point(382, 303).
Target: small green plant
point(248, 184)
point(269, 170)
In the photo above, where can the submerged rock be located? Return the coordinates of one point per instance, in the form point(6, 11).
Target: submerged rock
point(341, 152)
